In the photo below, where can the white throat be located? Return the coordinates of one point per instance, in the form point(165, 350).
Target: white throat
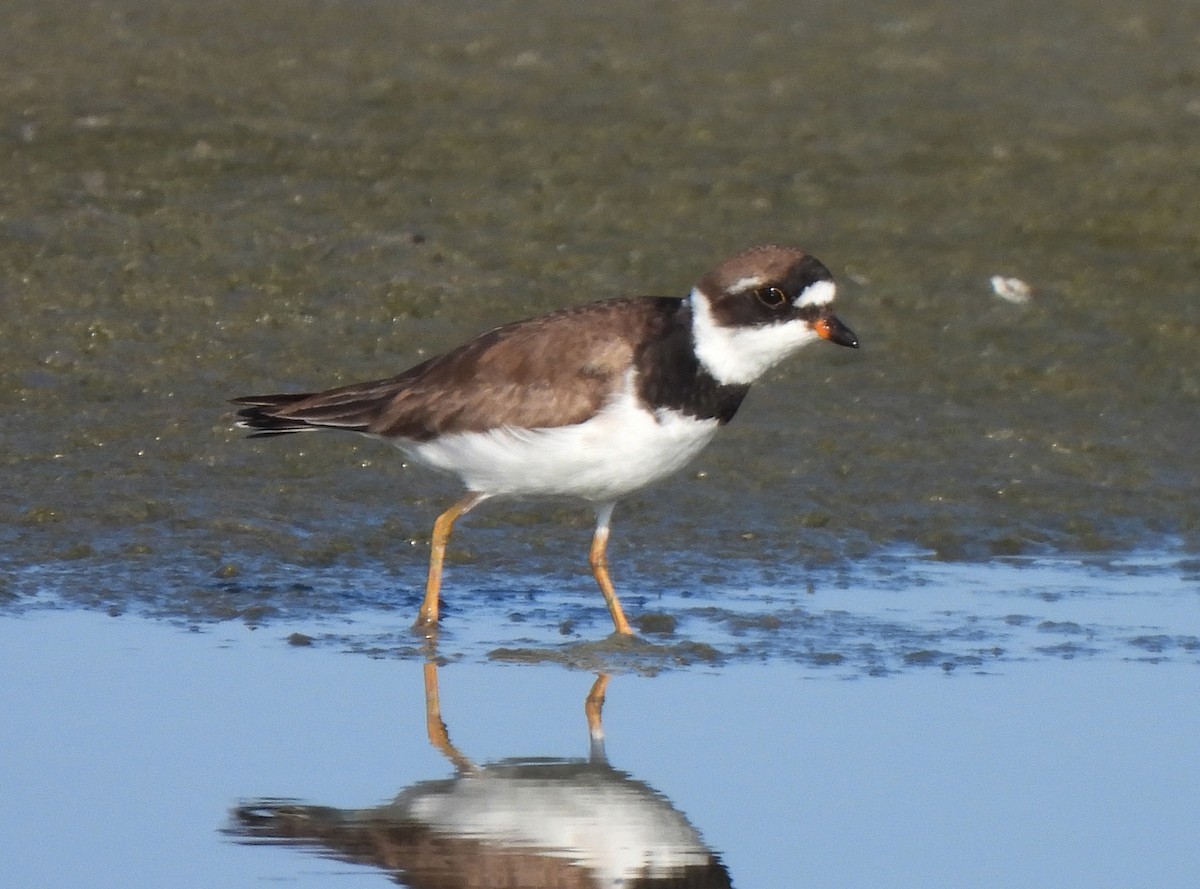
point(737, 356)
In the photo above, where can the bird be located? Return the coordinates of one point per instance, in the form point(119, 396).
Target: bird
point(593, 401)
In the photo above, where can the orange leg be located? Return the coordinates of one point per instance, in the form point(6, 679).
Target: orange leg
point(434, 726)
point(592, 707)
point(599, 562)
point(428, 615)
point(594, 704)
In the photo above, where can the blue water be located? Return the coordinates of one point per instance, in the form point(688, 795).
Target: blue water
point(128, 742)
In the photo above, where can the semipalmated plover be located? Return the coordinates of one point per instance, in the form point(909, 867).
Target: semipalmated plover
point(594, 401)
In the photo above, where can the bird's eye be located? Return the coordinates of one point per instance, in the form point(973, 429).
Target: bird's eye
point(771, 297)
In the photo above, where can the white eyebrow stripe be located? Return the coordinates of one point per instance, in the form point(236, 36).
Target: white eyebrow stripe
point(747, 283)
point(818, 293)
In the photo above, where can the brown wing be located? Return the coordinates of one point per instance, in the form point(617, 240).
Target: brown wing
point(555, 370)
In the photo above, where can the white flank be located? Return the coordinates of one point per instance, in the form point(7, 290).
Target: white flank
point(623, 448)
point(737, 356)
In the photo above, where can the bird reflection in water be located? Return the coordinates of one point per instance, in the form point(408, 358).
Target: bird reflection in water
point(513, 824)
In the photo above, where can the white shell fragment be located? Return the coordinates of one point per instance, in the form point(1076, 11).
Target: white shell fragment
point(1014, 290)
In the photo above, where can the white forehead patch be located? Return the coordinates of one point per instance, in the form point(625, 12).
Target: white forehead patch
point(818, 293)
point(737, 356)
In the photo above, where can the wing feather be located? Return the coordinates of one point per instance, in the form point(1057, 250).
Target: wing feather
point(556, 370)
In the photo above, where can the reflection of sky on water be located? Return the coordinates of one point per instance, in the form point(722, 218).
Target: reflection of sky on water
point(126, 743)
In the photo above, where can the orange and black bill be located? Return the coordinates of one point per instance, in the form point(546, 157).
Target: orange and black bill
point(830, 328)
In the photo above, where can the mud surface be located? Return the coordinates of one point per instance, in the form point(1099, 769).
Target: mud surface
point(202, 200)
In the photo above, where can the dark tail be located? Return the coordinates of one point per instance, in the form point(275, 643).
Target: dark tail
point(267, 415)
point(353, 408)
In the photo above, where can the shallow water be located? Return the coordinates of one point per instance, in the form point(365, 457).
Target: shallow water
point(131, 746)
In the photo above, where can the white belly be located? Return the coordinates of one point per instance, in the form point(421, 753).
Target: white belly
point(621, 449)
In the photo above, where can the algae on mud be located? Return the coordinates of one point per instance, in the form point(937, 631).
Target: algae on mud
point(202, 198)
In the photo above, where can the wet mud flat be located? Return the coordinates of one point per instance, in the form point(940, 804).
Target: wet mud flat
point(204, 200)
